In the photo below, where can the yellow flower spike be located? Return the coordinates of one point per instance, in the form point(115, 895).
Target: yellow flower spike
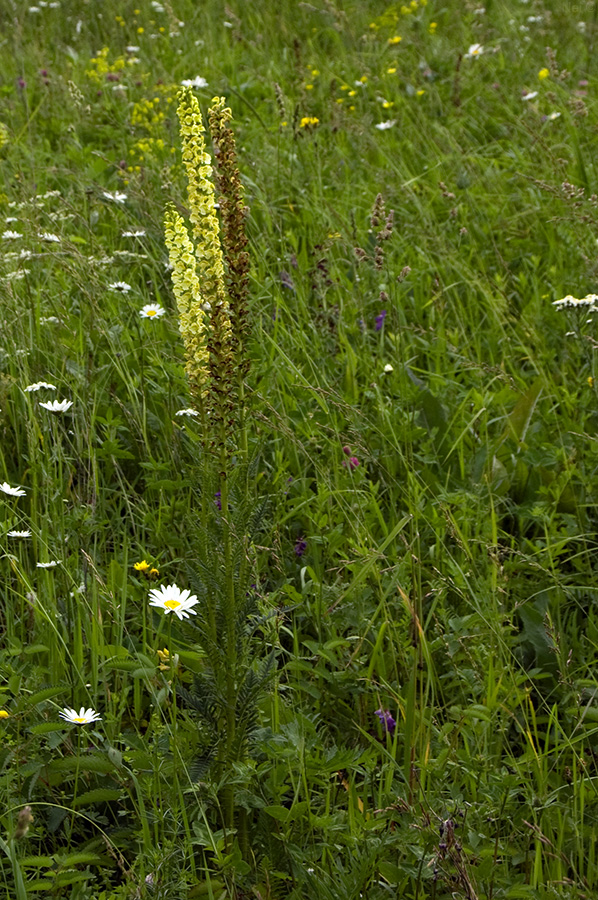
point(543, 73)
point(206, 229)
point(187, 294)
point(142, 566)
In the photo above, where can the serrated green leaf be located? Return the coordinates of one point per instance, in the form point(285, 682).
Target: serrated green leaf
point(47, 693)
point(46, 728)
point(97, 795)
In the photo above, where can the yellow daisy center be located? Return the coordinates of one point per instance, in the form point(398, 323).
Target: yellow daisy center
point(172, 604)
point(81, 720)
point(151, 312)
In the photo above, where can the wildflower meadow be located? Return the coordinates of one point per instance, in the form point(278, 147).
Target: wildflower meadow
point(298, 450)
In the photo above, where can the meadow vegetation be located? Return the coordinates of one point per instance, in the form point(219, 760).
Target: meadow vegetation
point(362, 470)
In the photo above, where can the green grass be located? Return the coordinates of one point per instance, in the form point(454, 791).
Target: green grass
point(449, 578)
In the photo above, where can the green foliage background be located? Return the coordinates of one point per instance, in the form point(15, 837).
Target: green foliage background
point(448, 578)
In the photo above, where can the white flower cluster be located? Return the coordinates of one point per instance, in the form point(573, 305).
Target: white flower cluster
point(589, 303)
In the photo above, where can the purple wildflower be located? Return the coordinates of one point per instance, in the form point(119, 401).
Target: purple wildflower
point(300, 547)
point(380, 320)
point(387, 720)
point(217, 499)
point(352, 462)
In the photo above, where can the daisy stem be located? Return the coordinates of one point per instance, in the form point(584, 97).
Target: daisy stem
point(76, 788)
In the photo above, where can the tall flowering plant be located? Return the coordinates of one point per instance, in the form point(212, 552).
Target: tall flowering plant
point(210, 279)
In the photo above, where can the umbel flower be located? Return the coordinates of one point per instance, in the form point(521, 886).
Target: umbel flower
point(173, 599)
point(83, 717)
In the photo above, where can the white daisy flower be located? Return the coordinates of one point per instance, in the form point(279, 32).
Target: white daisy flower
point(152, 311)
point(11, 235)
point(384, 126)
point(83, 717)
point(49, 565)
point(197, 82)
point(10, 219)
point(116, 196)
point(187, 412)
point(132, 48)
point(173, 599)
point(57, 406)
point(19, 534)
point(38, 386)
point(553, 116)
point(139, 232)
point(388, 368)
point(121, 286)
point(529, 95)
point(48, 237)
point(474, 51)
point(13, 492)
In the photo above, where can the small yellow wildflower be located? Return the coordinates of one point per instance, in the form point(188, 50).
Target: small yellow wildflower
point(391, 71)
point(352, 108)
point(591, 384)
point(154, 573)
point(363, 79)
point(164, 657)
point(309, 87)
point(405, 10)
point(387, 104)
point(309, 122)
point(352, 93)
point(315, 73)
point(432, 27)
point(420, 93)
point(140, 30)
point(373, 26)
point(4, 714)
point(142, 566)
point(413, 4)
point(344, 87)
point(395, 40)
point(543, 73)
point(340, 99)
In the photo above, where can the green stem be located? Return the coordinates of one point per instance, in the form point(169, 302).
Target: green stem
point(79, 728)
point(210, 600)
point(230, 626)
